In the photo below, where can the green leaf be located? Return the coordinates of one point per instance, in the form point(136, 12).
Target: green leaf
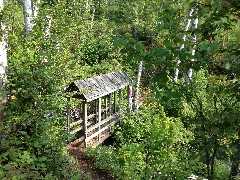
point(214, 46)
point(224, 20)
point(203, 47)
point(215, 4)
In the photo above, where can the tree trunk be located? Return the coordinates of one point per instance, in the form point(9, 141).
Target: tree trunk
point(3, 64)
point(188, 25)
point(194, 41)
point(48, 26)
point(27, 4)
point(93, 14)
point(212, 161)
point(235, 169)
point(30, 12)
point(86, 6)
point(135, 98)
point(134, 30)
point(47, 34)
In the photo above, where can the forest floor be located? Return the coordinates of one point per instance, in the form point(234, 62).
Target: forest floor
point(88, 166)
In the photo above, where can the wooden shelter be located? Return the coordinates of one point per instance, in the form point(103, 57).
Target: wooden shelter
point(100, 108)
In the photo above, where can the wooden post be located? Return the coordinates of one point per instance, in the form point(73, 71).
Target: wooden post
point(110, 104)
point(96, 110)
point(120, 104)
point(115, 102)
point(68, 119)
point(85, 120)
point(105, 106)
point(99, 118)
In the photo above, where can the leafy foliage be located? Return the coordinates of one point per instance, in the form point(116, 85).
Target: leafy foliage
point(199, 133)
point(33, 138)
point(151, 145)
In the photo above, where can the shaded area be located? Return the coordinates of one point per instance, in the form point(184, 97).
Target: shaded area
point(87, 165)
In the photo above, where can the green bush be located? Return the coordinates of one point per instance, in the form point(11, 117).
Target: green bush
point(151, 146)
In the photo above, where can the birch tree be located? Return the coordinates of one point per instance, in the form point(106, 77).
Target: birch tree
point(47, 34)
point(136, 92)
point(30, 12)
point(188, 25)
point(194, 41)
point(86, 6)
point(3, 61)
point(48, 26)
point(191, 24)
point(93, 14)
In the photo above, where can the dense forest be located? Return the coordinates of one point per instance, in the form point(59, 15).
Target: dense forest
point(189, 123)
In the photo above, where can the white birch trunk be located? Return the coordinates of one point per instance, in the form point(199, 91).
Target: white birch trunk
point(86, 6)
point(28, 16)
point(93, 14)
point(75, 8)
point(193, 50)
point(3, 62)
point(188, 25)
point(30, 12)
point(135, 98)
point(48, 27)
point(47, 33)
point(35, 8)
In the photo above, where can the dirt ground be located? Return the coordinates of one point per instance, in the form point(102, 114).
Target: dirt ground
point(87, 165)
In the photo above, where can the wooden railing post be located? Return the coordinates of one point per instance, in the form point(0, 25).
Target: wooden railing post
point(68, 119)
point(85, 120)
point(105, 99)
point(110, 104)
point(99, 118)
point(96, 110)
point(115, 102)
point(120, 105)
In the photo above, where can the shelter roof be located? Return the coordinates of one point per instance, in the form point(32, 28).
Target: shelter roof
point(93, 88)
